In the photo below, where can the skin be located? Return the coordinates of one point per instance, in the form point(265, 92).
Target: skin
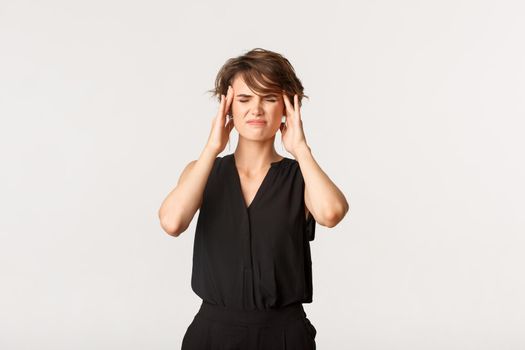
point(255, 149)
point(253, 155)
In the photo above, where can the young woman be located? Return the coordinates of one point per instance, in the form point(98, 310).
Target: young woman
point(258, 210)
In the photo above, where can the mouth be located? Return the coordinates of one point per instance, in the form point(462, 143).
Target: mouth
point(256, 122)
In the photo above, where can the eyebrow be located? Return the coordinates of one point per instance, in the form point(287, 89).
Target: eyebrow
point(245, 95)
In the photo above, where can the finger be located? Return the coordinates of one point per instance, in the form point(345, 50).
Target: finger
point(229, 98)
point(290, 116)
point(229, 125)
point(287, 103)
point(222, 106)
point(296, 105)
point(217, 117)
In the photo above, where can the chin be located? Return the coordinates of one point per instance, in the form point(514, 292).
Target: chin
point(254, 136)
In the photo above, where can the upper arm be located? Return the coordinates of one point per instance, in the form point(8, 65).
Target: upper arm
point(185, 171)
point(310, 219)
point(307, 203)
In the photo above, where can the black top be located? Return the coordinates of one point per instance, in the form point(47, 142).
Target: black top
point(255, 257)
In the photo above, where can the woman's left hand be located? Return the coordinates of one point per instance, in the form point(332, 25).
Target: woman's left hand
point(292, 130)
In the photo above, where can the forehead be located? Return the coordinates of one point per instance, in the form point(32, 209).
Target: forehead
point(240, 87)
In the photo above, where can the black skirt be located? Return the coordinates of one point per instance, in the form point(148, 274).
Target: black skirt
point(215, 327)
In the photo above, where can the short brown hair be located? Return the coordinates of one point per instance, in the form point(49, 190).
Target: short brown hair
point(264, 71)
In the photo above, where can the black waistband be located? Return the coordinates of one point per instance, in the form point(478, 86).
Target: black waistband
point(251, 317)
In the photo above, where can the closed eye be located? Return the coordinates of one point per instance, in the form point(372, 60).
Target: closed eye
point(242, 101)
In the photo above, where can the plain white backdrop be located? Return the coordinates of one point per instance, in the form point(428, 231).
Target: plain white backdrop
point(416, 112)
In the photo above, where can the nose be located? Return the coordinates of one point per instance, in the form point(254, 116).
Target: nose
point(257, 109)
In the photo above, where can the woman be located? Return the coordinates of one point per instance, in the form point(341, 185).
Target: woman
point(258, 210)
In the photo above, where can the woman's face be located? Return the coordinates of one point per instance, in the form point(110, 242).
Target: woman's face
point(247, 106)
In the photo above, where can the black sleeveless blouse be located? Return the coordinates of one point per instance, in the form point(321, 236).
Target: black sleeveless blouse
point(256, 257)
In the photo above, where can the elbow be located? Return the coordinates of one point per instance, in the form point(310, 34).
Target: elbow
point(331, 221)
point(171, 228)
point(171, 231)
point(334, 217)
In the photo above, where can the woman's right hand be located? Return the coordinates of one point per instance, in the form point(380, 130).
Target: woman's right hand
point(221, 128)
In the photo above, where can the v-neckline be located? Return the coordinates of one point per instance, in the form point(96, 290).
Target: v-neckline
point(261, 186)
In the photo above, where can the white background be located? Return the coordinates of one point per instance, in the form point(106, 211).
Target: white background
point(416, 112)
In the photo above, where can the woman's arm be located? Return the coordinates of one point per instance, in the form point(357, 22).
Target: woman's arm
point(326, 203)
point(181, 204)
